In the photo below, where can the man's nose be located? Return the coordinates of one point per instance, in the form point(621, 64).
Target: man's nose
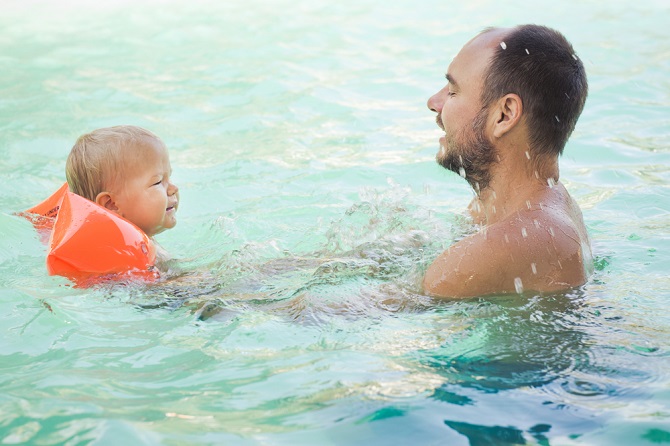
point(436, 101)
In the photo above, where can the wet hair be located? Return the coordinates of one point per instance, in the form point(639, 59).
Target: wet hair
point(97, 158)
point(540, 66)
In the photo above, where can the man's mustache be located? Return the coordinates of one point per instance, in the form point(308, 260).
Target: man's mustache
point(438, 119)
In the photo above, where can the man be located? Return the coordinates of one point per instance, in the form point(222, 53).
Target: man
point(512, 99)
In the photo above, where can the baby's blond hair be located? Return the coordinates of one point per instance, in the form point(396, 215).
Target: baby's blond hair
point(96, 159)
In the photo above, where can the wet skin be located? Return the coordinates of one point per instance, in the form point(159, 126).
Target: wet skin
point(532, 233)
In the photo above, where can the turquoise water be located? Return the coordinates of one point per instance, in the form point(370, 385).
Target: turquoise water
point(311, 204)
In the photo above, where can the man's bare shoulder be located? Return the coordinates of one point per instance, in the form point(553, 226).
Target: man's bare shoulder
point(538, 249)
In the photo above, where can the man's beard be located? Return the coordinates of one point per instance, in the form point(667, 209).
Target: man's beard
point(472, 156)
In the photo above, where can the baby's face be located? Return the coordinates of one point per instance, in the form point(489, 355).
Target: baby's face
point(145, 196)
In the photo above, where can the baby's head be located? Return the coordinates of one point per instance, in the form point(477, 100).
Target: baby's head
point(125, 169)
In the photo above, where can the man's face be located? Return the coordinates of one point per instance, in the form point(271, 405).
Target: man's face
point(465, 147)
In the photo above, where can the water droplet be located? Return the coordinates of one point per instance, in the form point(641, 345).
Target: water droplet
point(477, 186)
point(541, 206)
point(493, 193)
point(518, 285)
point(493, 209)
point(503, 45)
point(527, 154)
point(557, 120)
point(524, 233)
point(559, 264)
point(527, 52)
point(534, 268)
point(528, 204)
point(537, 223)
point(506, 239)
point(461, 172)
point(551, 182)
point(460, 159)
point(551, 232)
point(537, 175)
point(567, 95)
point(574, 56)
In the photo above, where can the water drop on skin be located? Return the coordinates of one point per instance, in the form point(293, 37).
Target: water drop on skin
point(527, 154)
point(518, 285)
point(461, 172)
point(503, 45)
point(557, 120)
point(506, 239)
point(528, 204)
point(527, 52)
point(493, 209)
point(535, 222)
point(524, 233)
point(551, 183)
point(534, 268)
point(551, 232)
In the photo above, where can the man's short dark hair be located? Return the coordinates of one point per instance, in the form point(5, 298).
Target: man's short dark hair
point(539, 64)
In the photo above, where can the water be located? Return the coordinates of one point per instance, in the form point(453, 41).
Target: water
point(311, 205)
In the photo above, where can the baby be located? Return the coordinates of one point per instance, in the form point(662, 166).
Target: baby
point(126, 169)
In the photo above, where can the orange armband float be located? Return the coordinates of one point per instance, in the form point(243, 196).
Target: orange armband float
point(88, 242)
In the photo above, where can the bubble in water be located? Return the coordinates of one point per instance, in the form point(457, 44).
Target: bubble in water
point(461, 172)
point(518, 285)
point(534, 268)
point(524, 233)
point(503, 45)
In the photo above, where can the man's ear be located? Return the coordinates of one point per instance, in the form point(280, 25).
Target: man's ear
point(508, 112)
point(105, 200)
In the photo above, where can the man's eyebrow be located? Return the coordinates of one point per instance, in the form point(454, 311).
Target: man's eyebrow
point(451, 80)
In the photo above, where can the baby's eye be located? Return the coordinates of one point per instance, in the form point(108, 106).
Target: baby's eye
point(158, 183)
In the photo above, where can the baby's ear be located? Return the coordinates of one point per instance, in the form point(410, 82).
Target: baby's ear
point(105, 200)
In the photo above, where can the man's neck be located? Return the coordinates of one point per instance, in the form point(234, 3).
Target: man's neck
point(513, 189)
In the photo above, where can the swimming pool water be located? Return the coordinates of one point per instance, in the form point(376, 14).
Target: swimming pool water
point(311, 204)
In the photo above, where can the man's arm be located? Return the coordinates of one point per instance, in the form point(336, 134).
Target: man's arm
point(507, 257)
